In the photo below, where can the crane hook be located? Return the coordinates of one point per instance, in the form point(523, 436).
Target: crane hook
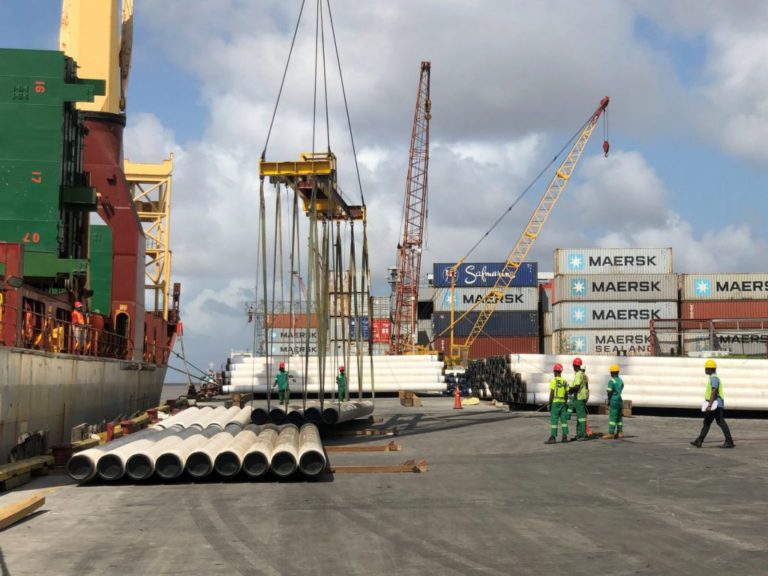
point(606, 147)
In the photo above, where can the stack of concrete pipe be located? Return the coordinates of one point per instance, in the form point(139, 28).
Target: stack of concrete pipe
point(655, 382)
point(331, 412)
point(203, 441)
point(416, 373)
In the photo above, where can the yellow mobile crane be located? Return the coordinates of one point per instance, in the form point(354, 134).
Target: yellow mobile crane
point(487, 304)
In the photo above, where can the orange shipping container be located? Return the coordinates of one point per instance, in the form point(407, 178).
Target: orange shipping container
point(382, 331)
point(297, 320)
point(483, 347)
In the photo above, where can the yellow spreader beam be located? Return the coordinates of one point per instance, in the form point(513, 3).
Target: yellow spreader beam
point(313, 172)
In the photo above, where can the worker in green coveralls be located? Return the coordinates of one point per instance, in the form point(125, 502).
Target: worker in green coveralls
point(341, 382)
point(281, 381)
point(615, 404)
point(558, 411)
point(579, 391)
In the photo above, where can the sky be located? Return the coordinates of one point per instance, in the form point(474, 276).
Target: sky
point(511, 82)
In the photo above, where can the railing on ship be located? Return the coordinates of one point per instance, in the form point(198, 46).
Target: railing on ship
point(48, 334)
point(681, 337)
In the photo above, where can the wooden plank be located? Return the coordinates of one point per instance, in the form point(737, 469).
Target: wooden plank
point(15, 481)
point(409, 466)
point(391, 447)
point(23, 466)
point(84, 444)
point(367, 432)
point(15, 512)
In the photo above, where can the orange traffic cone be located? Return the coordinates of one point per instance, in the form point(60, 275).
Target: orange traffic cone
point(456, 398)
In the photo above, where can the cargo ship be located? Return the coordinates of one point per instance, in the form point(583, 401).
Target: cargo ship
point(77, 343)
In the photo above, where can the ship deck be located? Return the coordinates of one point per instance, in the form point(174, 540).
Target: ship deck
point(495, 500)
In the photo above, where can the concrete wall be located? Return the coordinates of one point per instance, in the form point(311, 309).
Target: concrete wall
point(55, 392)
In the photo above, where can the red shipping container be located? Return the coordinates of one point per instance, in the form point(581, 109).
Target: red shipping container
point(483, 347)
point(742, 309)
point(298, 320)
point(382, 331)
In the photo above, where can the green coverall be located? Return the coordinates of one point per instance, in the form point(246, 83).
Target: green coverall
point(283, 392)
point(580, 392)
point(616, 405)
point(341, 382)
point(558, 411)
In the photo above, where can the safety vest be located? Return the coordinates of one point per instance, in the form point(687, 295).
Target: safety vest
point(581, 385)
point(77, 317)
point(709, 386)
point(616, 386)
point(560, 387)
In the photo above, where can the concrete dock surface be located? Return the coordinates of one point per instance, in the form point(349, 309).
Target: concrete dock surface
point(495, 500)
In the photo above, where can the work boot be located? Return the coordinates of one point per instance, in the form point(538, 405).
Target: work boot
point(565, 438)
point(728, 444)
point(620, 435)
point(696, 443)
point(551, 440)
point(609, 436)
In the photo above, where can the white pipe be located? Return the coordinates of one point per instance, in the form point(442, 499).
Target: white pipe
point(199, 463)
point(81, 467)
point(338, 412)
point(284, 460)
point(258, 457)
point(141, 464)
point(111, 466)
point(229, 461)
point(311, 456)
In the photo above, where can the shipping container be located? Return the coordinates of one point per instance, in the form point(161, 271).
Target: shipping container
point(297, 320)
point(344, 305)
point(546, 345)
point(381, 307)
point(546, 324)
point(292, 349)
point(724, 286)
point(484, 347)
point(746, 343)
point(603, 342)
point(362, 321)
point(499, 324)
point(515, 298)
point(382, 331)
point(596, 315)
point(613, 261)
point(424, 328)
point(613, 287)
point(750, 313)
point(297, 335)
point(483, 274)
point(546, 296)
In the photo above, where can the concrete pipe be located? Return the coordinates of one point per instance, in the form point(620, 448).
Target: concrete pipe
point(259, 415)
point(243, 417)
point(339, 412)
point(81, 467)
point(313, 414)
point(225, 416)
point(229, 461)
point(140, 465)
point(311, 455)
point(296, 415)
point(111, 466)
point(285, 454)
point(170, 464)
point(258, 456)
point(200, 462)
point(183, 417)
point(278, 415)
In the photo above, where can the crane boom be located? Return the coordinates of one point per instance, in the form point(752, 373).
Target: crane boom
point(409, 249)
point(532, 230)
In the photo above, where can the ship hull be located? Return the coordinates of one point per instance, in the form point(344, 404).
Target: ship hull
point(55, 392)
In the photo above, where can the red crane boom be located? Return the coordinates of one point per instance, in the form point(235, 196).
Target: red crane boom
point(414, 216)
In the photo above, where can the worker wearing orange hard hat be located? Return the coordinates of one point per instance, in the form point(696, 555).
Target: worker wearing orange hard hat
point(579, 392)
point(341, 382)
point(615, 404)
point(714, 406)
point(558, 411)
point(78, 327)
point(281, 381)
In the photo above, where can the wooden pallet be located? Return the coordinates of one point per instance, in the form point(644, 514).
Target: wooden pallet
point(18, 473)
point(410, 466)
point(391, 447)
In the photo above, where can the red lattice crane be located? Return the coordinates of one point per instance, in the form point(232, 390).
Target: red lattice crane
point(414, 217)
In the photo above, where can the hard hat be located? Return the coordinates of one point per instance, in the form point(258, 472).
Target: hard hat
point(613, 368)
point(577, 361)
point(78, 304)
point(710, 364)
point(282, 364)
point(341, 368)
point(557, 368)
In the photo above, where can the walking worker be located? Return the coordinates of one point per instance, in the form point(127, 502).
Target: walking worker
point(341, 382)
point(558, 407)
point(580, 391)
point(616, 404)
point(281, 381)
point(713, 407)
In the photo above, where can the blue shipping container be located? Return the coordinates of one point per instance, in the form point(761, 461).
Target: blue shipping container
point(364, 328)
point(483, 274)
point(499, 324)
